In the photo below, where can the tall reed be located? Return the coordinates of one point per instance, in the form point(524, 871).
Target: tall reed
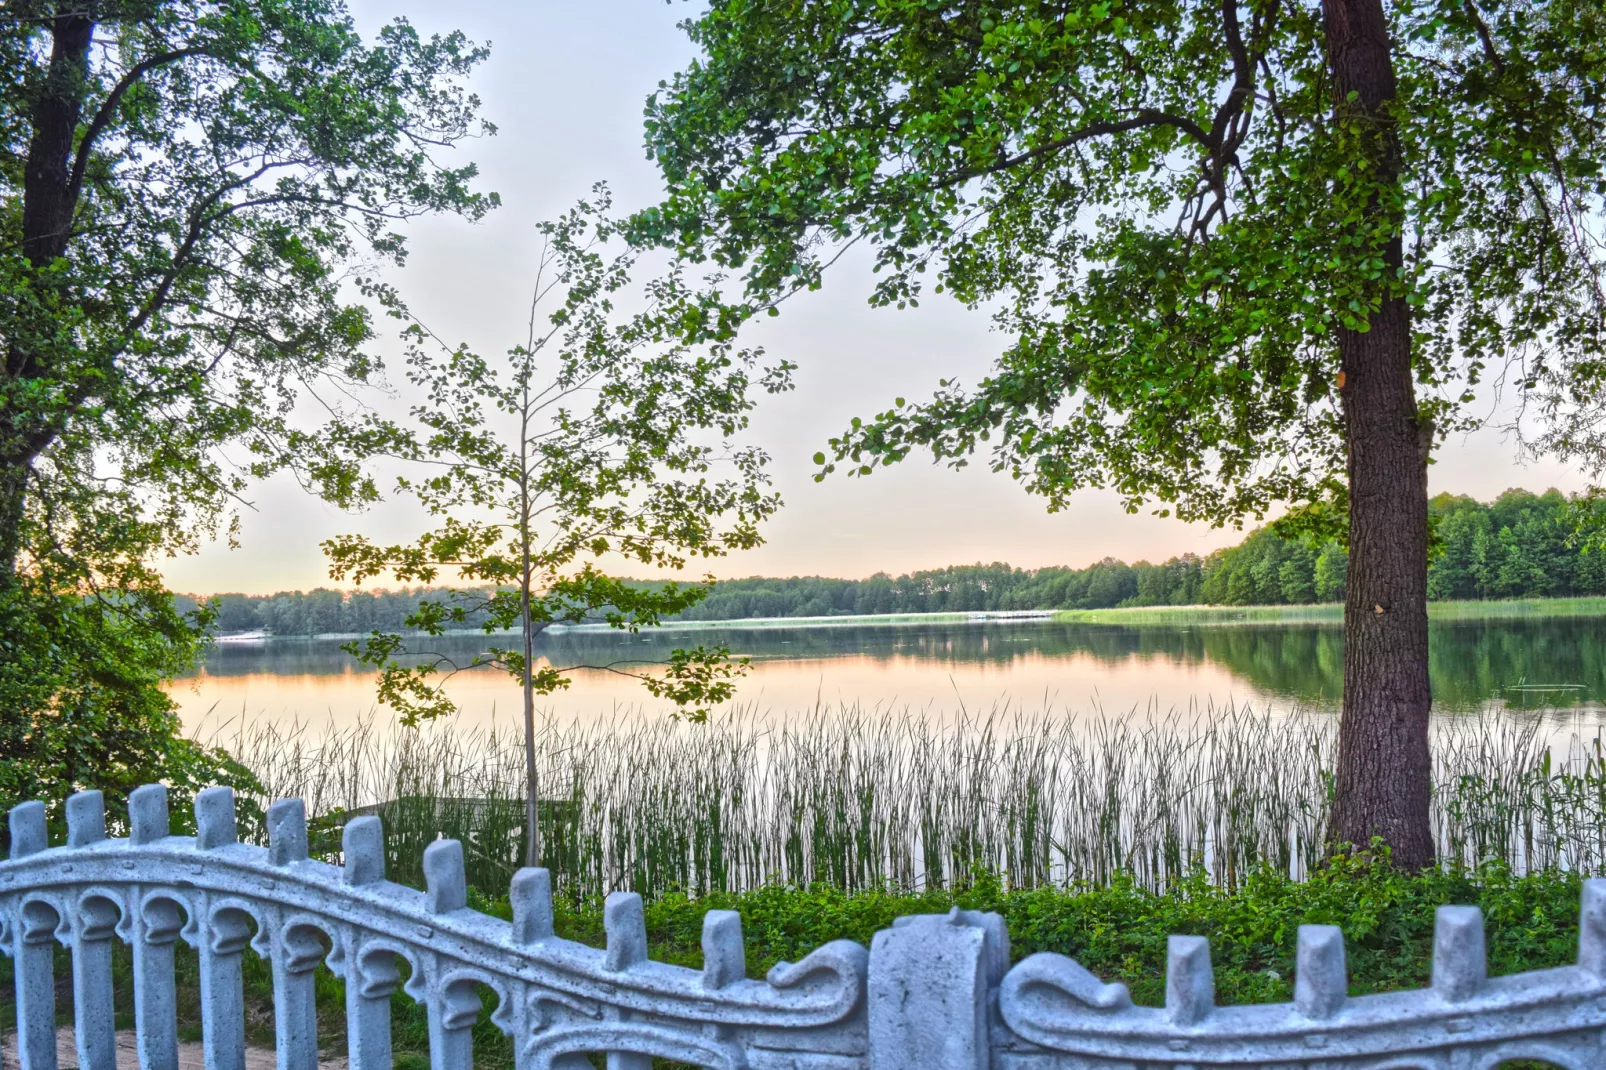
point(864, 798)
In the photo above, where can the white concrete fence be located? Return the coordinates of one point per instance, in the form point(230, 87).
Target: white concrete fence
point(933, 991)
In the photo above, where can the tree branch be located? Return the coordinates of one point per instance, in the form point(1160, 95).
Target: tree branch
point(103, 115)
point(1146, 117)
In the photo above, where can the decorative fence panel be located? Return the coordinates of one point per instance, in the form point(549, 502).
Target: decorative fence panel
point(932, 991)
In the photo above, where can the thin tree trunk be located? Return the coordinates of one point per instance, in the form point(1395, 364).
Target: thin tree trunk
point(532, 783)
point(532, 816)
point(1384, 764)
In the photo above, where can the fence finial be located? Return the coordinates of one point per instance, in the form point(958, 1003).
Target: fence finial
point(147, 813)
point(363, 844)
point(1592, 928)
point(1460, 964)
point(1321, 982)
point(724, 954)
point(86, 818)
point(287, 832)
point(1190, 982)
point(531, 896)
point(625, 923)
point(28, 835)
point(446, 886)
point(214, 818)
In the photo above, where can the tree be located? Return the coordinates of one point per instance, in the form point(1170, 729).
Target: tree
point(1454, 571)
point(1296, 577)
point(193, 192)
point(598, 436)
point(188, 187)
point(1332, 573)
point(1244, 252)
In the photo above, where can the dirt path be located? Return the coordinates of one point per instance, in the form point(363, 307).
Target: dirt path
point(189, 1055)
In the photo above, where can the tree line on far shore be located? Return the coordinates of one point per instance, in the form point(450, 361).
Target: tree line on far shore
point(1521, 545)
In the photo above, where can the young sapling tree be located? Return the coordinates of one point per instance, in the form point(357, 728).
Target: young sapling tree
point(606, 437)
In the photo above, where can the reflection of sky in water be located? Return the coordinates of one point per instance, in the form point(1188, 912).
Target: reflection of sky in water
point(939, 668)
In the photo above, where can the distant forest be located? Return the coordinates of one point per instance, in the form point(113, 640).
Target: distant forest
point(1521, 545)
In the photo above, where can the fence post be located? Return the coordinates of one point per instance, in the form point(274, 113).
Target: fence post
point(223, 937)
point(93, 1021)
point(1460, 964)
point(530, 895)
point(33, 932)
point(625, 924)
point(296, 953)
point(1592, 927)
point(156, 926)
point(452, 1012)
point(371, 977)
point(930, 989)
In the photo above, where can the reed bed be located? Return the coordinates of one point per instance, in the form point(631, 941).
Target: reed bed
point(864, 798)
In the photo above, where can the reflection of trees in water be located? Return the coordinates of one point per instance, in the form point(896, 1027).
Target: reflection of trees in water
point(1477, 659)
point(314, 657)
point(1470, 661)
point(1300, 661)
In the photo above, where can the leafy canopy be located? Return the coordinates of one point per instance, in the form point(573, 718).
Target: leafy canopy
point(1155, 201)
point(194, 197)
point(608, 434)
point(236, 168)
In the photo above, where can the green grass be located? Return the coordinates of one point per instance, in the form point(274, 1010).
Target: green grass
point(1518, 607)
point(1329, 613)
point(1137, 615)
point(1118, 931)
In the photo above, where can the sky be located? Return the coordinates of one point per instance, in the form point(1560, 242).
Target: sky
point(565, 85)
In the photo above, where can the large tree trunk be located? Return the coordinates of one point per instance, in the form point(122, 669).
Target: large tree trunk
point(49, 201)
point(1384, 765)
point(13, 503)
point(49, 198)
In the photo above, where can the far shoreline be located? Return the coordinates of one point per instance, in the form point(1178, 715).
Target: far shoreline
point(1127, 616)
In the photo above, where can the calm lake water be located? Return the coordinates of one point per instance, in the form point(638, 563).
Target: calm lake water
point(1518, 665)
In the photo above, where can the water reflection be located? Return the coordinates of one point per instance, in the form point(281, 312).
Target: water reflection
point(942, 666)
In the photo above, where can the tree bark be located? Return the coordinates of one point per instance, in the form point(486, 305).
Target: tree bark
point(532, 771)
point(1384, 764)
point(13, 501)
point(49, 204)
point(49, 201)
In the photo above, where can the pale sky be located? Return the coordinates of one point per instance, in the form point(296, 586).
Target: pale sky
point(565, 85)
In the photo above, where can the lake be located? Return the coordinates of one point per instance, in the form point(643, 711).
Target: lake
point(939, 668)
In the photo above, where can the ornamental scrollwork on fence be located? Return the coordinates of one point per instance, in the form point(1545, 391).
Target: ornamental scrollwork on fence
point(932, 990)
point(555, 997)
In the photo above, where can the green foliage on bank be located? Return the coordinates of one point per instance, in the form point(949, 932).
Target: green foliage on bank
point(1119, 932)
point(80, 691)
point(1520, 546)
